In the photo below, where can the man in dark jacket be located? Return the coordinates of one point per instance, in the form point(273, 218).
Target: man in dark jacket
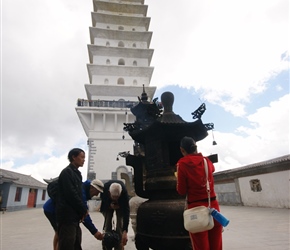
point(70, 209)
point(89, 190)
point(115, 199)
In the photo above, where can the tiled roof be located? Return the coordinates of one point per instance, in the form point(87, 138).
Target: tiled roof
point(280, 159)
point(273, 165)
point(20, 179)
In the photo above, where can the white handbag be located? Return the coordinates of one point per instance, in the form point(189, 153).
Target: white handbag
point(198, 219)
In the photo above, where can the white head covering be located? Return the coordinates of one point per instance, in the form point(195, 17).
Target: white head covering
point(97, 184)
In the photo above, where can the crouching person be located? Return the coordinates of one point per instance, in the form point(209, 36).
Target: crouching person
point(115, 199)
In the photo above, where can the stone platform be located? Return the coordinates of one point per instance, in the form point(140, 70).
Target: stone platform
point(250, 228)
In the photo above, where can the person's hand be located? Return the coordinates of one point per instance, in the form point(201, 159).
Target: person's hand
point(124, 238)
point(99, 236)
point(114, 205)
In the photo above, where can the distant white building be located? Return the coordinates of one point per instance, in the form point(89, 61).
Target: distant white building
point(20, 191)
point(262, 184)
point(119, 67)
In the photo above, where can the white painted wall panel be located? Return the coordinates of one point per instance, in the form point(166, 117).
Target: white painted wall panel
point(102, 60)
point(112, 80)
point(104, 158)
point(275, 190)
point(114, 43)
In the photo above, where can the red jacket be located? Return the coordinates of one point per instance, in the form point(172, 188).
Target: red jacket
point(191, 177)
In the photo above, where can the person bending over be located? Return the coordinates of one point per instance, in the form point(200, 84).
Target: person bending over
point(115, 199)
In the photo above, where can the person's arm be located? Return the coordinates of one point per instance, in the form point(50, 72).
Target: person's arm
point(88, 223)
point(210, 165)
point(126, 209)
point(105, 199)
point(126, 217)
point(124, 238)
point(211, 170)
point(181, 180)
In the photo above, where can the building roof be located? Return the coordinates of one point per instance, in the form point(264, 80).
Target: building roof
point(50, 180)
point(281, 163)
point(20, 179)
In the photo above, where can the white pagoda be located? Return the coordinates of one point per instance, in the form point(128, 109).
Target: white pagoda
point(119, 68)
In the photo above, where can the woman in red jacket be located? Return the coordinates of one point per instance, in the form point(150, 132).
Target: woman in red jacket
point(191, 181)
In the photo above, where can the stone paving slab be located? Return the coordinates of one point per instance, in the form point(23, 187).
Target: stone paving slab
point(249, 228)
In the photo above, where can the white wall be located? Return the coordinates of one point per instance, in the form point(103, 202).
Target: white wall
point(113, 80)
point(275, 190)
point(104, 156)
point(22, 204)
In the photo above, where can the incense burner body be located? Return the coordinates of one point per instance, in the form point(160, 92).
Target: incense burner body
point(156, 151)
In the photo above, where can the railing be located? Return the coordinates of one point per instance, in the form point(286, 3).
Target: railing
point(105, 104)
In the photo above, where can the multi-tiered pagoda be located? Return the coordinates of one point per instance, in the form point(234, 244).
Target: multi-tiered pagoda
point(119, 67)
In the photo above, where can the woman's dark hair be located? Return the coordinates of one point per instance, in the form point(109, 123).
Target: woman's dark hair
point(74, 152)
point(188, 144)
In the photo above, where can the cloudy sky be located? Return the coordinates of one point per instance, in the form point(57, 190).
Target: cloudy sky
point(231, 54)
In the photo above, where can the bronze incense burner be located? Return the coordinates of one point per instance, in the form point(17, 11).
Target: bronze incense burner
point(157, 138)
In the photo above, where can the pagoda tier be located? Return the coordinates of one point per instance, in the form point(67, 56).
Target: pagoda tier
point(106, 20)
point(129, 1)
point(116, 92)
point(101, 37)
point(97, 74)
point(101, 52)
point(118, 8)
point(104, 122)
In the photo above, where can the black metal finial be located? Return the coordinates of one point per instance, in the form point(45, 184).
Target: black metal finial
point(144, 96)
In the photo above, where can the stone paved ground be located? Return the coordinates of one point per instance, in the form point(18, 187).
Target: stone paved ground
point(249, 228)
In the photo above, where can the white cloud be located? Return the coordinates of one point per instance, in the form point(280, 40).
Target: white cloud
point(44, 71)
point(44, 168)
point(230, 51)
point(271, 122)
point(266, 138)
